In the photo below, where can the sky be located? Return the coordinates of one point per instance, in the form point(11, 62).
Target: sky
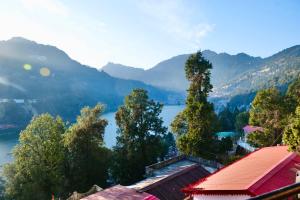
point(141, 33)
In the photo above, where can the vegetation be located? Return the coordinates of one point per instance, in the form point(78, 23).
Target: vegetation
point(52, 160)
point(291, 135)
point(140, 139)
point(87, 158)
point(227, 119)
point(13, 113)
point(241, 121)
point(194, 127)
point(268, 111)
point(38, 168)
point(274, 111)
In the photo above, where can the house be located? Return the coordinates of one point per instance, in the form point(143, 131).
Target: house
point(166, 179)
point(259, 172)
point(119, 192)
point(243, 140)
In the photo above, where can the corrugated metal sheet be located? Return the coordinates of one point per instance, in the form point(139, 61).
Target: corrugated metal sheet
point(170, 187)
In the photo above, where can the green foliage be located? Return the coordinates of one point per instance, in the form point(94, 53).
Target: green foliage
point(268, 111)
point(226, 144)
point(227, 119)
point(2, 188)
point(37, 171)
point(241, 121)
point(140, 140)
point(87, 158)
point(293, 94)
point(291, 135)
point(194, 127)
point(13, 113)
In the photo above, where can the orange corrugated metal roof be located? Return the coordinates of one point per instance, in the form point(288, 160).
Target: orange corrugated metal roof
point(247, 174)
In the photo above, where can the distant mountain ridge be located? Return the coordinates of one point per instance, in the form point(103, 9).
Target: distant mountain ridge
point(231, 74)
point(61, 85)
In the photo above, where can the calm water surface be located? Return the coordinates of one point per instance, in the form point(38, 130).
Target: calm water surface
point(9, 139)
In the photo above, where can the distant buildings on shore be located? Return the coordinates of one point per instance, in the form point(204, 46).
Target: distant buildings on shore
point(19, 101)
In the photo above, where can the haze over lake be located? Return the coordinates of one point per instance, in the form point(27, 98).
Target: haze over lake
point(10, 139)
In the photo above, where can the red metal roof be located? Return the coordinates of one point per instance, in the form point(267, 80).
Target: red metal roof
point(119, 192)
point(259, 172)
point(250, 129)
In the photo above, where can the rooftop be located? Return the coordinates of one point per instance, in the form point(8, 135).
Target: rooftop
point(250, 129)
point(166, 179)
point(247, 175)
point(119, 192)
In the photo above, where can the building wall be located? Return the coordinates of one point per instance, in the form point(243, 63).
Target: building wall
point(221, 197)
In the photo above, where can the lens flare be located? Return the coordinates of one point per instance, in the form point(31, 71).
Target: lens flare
point(27, 67)
point(44, 71)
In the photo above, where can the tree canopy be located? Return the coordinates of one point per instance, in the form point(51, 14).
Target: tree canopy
point(140, 137)
point(87, 158)
point(37, 171)
point(268, 111)
point(291, 134)
point(195, 126)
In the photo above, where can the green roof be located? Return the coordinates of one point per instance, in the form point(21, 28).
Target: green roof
point(226, 134)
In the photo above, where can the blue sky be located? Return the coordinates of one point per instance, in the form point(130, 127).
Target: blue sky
point(142, 33)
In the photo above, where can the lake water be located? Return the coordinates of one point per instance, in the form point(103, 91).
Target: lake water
point(10, 139)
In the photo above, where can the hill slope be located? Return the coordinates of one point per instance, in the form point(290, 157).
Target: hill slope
point(231, 74)
point(59, 84)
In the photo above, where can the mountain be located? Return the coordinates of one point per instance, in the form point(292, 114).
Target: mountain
point(169, 74)
point(231, 74)
point(60, 85)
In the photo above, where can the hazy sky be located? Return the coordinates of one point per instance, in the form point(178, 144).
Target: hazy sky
point(144, 32)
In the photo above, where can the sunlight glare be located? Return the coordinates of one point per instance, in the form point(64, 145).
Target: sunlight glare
point(27, 67)
point(44, 71)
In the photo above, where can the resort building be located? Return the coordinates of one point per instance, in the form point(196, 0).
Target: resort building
point(261, 171)
point(166, 179)
point(243, 140)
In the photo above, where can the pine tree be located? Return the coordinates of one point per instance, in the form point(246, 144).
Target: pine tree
point(195, 126)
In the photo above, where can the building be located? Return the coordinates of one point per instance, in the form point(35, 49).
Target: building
point(261, 171)
point(119, 192)
point(243, 140)
point(166, 179)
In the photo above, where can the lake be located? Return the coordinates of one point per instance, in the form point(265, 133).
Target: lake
point(10, 139)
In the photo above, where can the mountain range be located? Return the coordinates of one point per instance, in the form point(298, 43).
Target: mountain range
point(231, 74)
point(59, 84)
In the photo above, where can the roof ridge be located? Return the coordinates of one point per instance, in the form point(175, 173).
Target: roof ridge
point(172, 176)
point(190, 188)
point(283, 162)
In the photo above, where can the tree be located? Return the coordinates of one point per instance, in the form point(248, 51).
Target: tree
point(87, 158)
point(140, 137)
point(227, 119)
point(291, 135)
point(195, 126)
point(241, 121)
point(268, 111)
point(37, 171)
point(293, 95)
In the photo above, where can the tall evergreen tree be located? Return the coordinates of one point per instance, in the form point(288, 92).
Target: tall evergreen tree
point(37, 171)
point(87, 158)
point(140, 140)
point(195, 126)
